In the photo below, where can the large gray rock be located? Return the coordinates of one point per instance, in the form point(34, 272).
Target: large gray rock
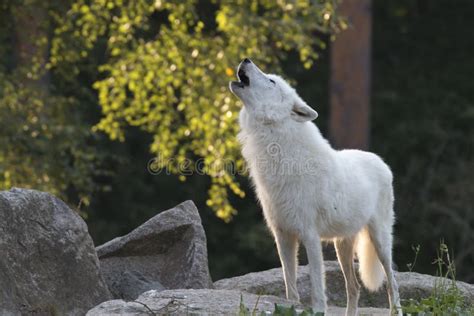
point(202, 302)
point(169, 251)
point(412, 285)
point(48, 264)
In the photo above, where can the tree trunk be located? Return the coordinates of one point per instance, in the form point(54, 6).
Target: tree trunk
point(350, 78)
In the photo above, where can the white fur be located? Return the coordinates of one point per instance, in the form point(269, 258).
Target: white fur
point(309, 191)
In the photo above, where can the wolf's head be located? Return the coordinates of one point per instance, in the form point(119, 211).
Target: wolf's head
point(269, 97)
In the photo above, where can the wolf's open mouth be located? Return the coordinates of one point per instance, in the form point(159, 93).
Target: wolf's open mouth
point(243, 77)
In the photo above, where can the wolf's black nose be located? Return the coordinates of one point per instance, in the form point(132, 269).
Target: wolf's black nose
point(247, 61)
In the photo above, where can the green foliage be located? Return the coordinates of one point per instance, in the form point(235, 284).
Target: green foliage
point(41, 146)
point(292, 311)
point(167, 68)
point(279, 310)
point(46, 140)
point(446, 298)
point(416, 250)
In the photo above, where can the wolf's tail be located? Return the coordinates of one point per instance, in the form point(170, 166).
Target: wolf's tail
point(370, 268)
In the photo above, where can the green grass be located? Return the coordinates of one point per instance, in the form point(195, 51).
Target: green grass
point(446, 298)
point(279, 310)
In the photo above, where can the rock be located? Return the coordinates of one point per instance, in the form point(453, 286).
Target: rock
point(169, 251)
point(202, 302)
point(48, 264)
point(416, 285)
point(130, 284)
point(412, 285)
point(271, 282)
point(188, 301)
point(205, 302)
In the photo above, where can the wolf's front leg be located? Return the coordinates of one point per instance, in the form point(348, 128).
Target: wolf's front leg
point(287, 245)
point(312, 243)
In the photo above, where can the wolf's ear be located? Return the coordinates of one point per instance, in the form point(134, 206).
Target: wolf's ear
point(301, 112)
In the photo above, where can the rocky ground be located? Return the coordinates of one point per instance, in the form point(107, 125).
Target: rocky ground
point(205, 301)
point(49, 266)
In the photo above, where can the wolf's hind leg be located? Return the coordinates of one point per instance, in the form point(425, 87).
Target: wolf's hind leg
point(345, 255)
point(381, 236)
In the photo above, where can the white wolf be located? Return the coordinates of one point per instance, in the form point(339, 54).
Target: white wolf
point(310, 192)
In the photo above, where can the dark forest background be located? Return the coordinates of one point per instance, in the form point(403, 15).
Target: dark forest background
point(421, 123)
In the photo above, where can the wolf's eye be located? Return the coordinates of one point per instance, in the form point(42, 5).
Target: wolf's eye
point(272, 81)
